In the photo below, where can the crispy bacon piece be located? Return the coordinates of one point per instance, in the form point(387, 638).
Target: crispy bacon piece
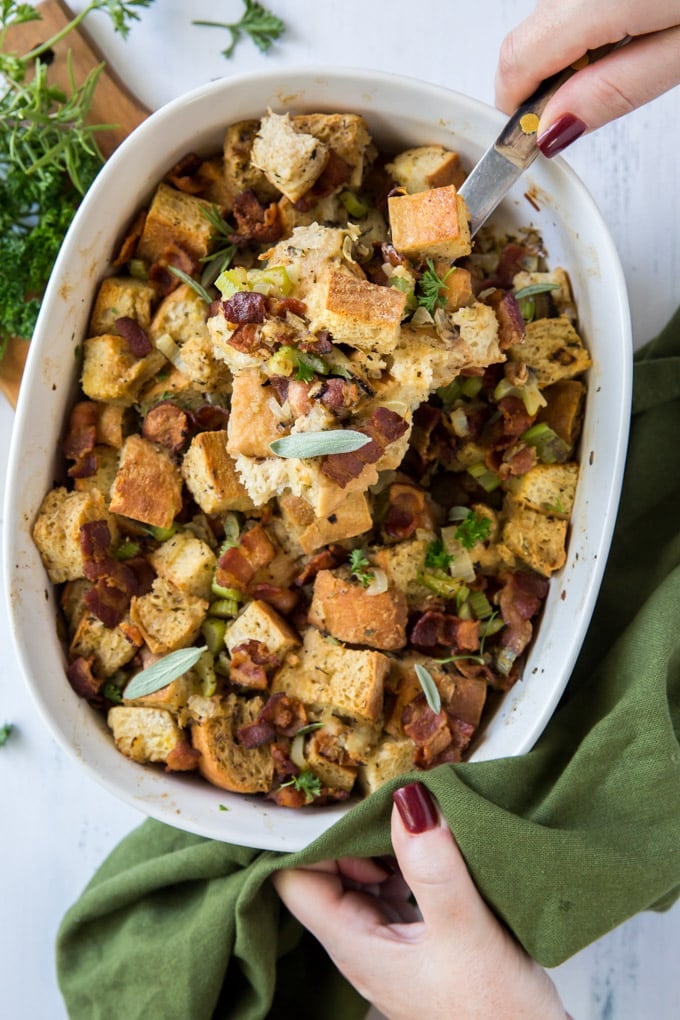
point(254, 221)
point(245, 306)
point(340, 396)
point(107, 602)
point(280, 385)
point(84, 467)
point(511, 325)
point(183, 757)
point(237, 566)
point(210, 418)
point(284, 600)
point(383, 427)
point(134, 336)
point(512, 260)
point(129, 245)
point(520, 599)
point(95, 544)
point(326, 559)
point(249, 663)
point(281, 715)
point(185, 175)
point(114, 583)
point(406, 512)
point(428, 730)
point(83, 680)
point(167, 425)
point(82, 430)
point(516, 418)
point(279, 307)
point(246, 338)
point(173, 255)
point(438, 633)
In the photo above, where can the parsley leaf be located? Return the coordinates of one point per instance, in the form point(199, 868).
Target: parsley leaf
point(358, 563)
point(260, 24)
point(436, 557)
point(474, 528)
point(5, 732)
point(431, 286)
point(307, 782)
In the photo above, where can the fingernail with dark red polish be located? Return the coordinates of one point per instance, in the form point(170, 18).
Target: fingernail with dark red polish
point(416, 807)
point(559, 135)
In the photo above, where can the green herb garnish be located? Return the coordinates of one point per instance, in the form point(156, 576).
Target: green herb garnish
point(260, 24)
point(436, 557)
point(219, 259)
point(5, 732)
point(430, 690)
point(163, 672)
point(307, 782)
point(319, 444)
point(358, 562)
point(431, 286)
point(190, 282)
point(473, 529)
point(525, 298)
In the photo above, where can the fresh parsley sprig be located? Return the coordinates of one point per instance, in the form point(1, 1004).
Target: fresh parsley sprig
point(431, 285)
point(257, 21)
point(306, 782)
point(359, 565)
point(5, 732)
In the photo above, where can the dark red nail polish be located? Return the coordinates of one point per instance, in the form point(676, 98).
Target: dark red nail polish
point(559, 135)
point(416, 807)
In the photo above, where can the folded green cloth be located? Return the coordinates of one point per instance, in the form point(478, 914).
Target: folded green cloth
point(565, 842)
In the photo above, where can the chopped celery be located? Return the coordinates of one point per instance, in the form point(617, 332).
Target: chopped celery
point(224, 608)
point(529, 394)
point(470, 385)
point(127, 550)
point(439, 583)
point(272, 280)
point(231, 281)
point(354, 205)
point(162, 534)
point(550, 448)
point(491, 626)
point(488, 480)
point(213, 630)
point(225, 593)
point(479, 604)
point(137, 269)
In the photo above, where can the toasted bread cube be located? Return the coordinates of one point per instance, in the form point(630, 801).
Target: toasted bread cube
point(553, 350)
point(345, 133)
point(173, 697)
point(111, 425)
point(259, 622)
point(170, 384)
point(457, 291)
point(187, 562)
point(392, 757)
point(144, 734)
point(211, 476)
point(72, 602)
point(174, 217)
point(181, 315)
point(224, 761)
point(547, 488)
point(106, 459)
point(203, 366)
point(331, 773)
point(148, 485)
point(56, 531)
point(430, 224)
point(539, 540)
point(111, 647)
point(564, 409)
point(347, 611)
point(362, 314)
point(327, 675)
point(425, 167)
point(112, 373)
point(290, 159)
point(350, 518)
point(239, 172)
point(253, 423)
point(121, 297)
point(402, 563)
point(167, 617)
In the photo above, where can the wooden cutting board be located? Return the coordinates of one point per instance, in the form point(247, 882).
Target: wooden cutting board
point(112, 104)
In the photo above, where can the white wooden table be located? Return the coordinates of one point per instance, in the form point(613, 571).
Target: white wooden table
point(57, 824)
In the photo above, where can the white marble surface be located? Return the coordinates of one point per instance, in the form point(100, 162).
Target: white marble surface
point(57, 825)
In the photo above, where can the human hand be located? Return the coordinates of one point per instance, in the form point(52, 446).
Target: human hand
point(559, 32)
point(454, 960)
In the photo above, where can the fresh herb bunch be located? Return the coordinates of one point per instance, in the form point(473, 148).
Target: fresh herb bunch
point(360, 567)
point(5, 732)
point(306, 782)
point(48, 158)
point(260, 24)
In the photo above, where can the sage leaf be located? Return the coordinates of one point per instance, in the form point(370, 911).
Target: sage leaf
point(429, 689)
point(319, 444)
point(534, 288)
point(163, 672)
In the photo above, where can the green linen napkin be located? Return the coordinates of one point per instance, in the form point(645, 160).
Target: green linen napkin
point(565, 842)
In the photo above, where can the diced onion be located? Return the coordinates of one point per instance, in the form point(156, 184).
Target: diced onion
point(282, 411)
point(379, 584)
point(461, 565)
point(459, 422)
point(297, 751)
point(167, 346)
point(421, 317)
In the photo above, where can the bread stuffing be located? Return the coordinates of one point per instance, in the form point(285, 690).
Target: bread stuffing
point(320, 469)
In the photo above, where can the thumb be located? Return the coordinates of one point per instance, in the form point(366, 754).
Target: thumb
point(432, 864)
point(621, 82)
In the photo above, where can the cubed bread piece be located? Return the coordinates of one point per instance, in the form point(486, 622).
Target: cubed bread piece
point(347, 611)
point(148, 485)
point(214, 184)
point(253, 423)
point(350, 518)
point(239, 172)
point(457, 290)
point(224, 761)
point(187, 562)
point(547, 488)
point(360, 313)
point(260, 622)
point(106, 467)
point(425, 167)
point(325, 674)
point(56, 531)
point(201, 364)
point(430, 224)
point(537, 539)
point(175, 218)
point(72, 602)
point(332, 774)
point(144, 734)
point(170, 384)
point(167, 617)
point(111, 647)
point(563, 411)
point(112, 425)
point(311, 251)
point(211, 476)
point(112, 373)
point(290, 159)
point(553, 350)
point(345, 133)
point(121, 297)
point(173, 697)
point(182, 315)
point(402, 563)
point(392, 757)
